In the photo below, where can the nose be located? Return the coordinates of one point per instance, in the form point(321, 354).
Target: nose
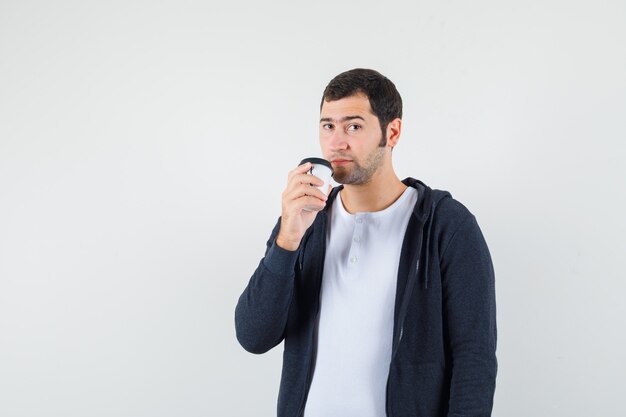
point(337, 141)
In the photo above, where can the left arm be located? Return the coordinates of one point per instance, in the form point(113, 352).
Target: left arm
point(470, 311)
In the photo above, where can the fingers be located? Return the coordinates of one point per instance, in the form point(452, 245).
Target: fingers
point(312, 203)
point(300, 169)
point(299, 175)
point(301, 192)
point(304, 190)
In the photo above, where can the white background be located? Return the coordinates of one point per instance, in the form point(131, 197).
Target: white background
point(144, 146)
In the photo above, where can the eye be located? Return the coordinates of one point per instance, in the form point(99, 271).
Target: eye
point(354, 128)
point(327, 126)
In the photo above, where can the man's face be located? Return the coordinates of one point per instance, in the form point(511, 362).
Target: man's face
point(350, 137)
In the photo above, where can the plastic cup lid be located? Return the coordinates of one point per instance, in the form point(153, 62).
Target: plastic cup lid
point(319, 161)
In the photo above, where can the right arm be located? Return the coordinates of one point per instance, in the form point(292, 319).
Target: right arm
point(262, 311)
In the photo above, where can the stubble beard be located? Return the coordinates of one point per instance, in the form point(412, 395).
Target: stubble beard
point(360, 174)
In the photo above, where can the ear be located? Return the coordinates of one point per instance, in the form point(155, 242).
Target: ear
point(394, 129)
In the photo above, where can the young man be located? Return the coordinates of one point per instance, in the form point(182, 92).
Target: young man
point(385, 297)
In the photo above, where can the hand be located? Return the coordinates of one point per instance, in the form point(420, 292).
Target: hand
point(301, 191)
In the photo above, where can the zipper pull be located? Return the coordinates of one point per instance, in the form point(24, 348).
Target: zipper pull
point(301, 257)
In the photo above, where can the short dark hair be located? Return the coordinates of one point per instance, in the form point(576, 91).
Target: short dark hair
point(382, 94)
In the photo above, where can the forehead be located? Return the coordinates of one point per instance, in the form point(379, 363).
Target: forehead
point(356, 105)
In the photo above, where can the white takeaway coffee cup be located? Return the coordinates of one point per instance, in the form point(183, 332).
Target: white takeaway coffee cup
point(323, 170)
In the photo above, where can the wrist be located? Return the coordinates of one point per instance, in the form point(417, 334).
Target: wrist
point(287, 244)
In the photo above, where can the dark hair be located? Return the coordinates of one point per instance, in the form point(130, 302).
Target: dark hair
point(382, 94)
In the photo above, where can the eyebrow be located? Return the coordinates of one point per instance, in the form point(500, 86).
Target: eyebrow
point(343, 119)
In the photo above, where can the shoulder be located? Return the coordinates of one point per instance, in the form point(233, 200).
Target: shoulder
point(449, 209)
point(438, 208)
point(450, 218)
point(437, 203)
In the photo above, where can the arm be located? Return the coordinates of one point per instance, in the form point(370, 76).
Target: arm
point(261, 313)
point(470, 312)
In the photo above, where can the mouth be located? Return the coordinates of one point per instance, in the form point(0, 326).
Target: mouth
point(340, 161)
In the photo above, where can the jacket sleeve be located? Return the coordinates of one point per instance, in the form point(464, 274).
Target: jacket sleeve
point(470, 314)
point(262, 309)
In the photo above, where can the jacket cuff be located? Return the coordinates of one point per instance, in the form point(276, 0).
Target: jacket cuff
point(280, 261)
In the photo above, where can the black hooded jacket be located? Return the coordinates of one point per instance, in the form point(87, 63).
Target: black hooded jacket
point(443, 359)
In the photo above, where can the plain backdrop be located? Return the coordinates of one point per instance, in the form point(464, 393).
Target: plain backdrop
point(144, 146)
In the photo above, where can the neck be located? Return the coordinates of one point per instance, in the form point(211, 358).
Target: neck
point(383, 189)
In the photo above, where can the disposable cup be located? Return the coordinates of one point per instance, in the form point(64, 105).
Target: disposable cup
point(323, 170)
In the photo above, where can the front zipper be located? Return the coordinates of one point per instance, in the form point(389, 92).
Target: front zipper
point(407, 296)
point(309, 376)
point(400, 334)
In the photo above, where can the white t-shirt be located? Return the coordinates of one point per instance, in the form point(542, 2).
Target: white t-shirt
point(357, 308)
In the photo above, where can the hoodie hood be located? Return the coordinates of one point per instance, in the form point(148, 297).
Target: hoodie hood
point(424, 210)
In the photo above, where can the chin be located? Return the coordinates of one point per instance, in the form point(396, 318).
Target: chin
point(345, 180)
point(340, 175)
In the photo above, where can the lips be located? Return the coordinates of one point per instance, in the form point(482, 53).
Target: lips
point(340, 161)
